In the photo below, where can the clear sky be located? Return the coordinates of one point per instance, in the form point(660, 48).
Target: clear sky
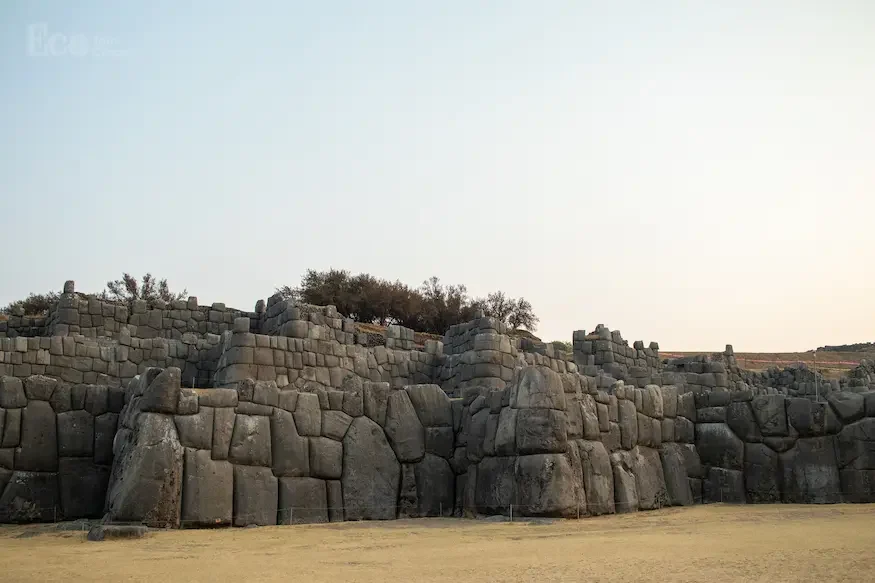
point(697, 173)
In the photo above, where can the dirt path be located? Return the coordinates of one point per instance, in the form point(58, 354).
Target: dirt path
point(716, 543)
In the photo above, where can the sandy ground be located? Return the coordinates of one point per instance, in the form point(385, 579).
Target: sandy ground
point(715, 542)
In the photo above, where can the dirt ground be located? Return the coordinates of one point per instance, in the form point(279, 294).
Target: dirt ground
point(715, 542)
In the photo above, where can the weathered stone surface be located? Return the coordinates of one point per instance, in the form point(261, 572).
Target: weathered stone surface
point(376, 399)
point(598, 477)
point(371, 473)
point(810, 473)
point(538, 388)
point(669, 401)
point(762, 481)
point(723, 485)
point(290, 451)
point(628, 424)
point(303, 501)
point(326, 458)
point(771, 415)
point(162, 394)
point(146, 479)
point(540, 431)
point(858, 486)
point(335, 500)
point(196, 430)
point(403, 428)
point(711, 415)
point(308, 416)
point(545, 485)
point(217, 397)
point(256, 493)
point(432, 405)
point(75, 434)
point(104, 433)
point(439, 441)
point(39, 387)
point(30, 497)
point(625, 487)
point(102, 532)
point(849, 407)
point(251, 441)
point(505, 434)
point(649, 478)
point(223, 430)
point(38, 451)
point(718, 446)
point(494, 486)
point(435, 486)
point(810, 418)
point(590, 418)
point(692, 461)
point(12, 394)
point(684, 430)
point(83, 487)
point(855, 445)
point(674, 469)
point(61, 398)
point(208, 490)
point(645, 430)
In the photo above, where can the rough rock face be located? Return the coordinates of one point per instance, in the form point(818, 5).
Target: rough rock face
point(674, 468)
point(546, 485)
point(371, 473)
point(598, 477)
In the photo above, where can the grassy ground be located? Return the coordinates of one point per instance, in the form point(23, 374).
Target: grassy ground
point(704, 543)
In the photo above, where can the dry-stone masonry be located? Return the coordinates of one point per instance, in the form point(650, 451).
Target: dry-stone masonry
point(182, 416)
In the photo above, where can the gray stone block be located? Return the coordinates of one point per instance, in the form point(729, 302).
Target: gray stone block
point(38, 447)
point(291, 457)
point(326, 458)
point(540, 431)
point(308, 416)
point(302, 501)
point(256, 496)
point(251, 441)
point(371, 473)
point(196, 431)
point(208, 490)
point(403, 428)
point(75, 434)
point(83, 487)
point(335, 424)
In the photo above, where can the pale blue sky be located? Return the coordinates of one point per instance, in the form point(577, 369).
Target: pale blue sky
point(697, 173)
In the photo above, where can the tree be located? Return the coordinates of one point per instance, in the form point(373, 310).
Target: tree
point(127, 289)
point(522, 316)
point(33, 304)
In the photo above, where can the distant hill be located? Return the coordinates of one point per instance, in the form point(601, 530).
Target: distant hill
point(858, 347)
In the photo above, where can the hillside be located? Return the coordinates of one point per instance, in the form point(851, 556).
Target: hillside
point(831, 364)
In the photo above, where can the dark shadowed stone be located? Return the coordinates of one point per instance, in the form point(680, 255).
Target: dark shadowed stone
point(31, 497)
point(97, 400)
point(810, 472)
point(546, 486)
point(625, 488)
point(304, 501)
point(208, 490)
point(540, 431)
point(82, 487)
point(762, 481)
point(628, 424)
point(256, 493)
point(439, 441)
point(696, 489)
point(505, 434)
point(291, 457)
point(403, 428)
point(711, 415)
point(39, 388)
point(102, 532)
point(489, 435)
point(649, 479)
point(869, 403)
point(196, 430)
point(770, 412)
point(598, 477)
point(326, 458)
point(217, 397)
point(723, 485)
point(7, 457)
point(223, 429)
point(849, 407)
point(573, 418)
point(250, 442)
point(674, 469)
point(494, 486)
point(335, 500)
point(408, 506)
point(740, 419)
point(858, 486)
point(308, 416)
point(335, 424)
point(78, 393)
point(376, 398)
point(856, 445)
point(684, 430)
point(780, 444)
point(61, 401)
point(810, 418)
point(476, 434)
point(645, 429)
point(432, 405)
point(687, 406)
point(692, 461)
point(146, 481)
point(667, 430)
point(162, 394)
point(435, 486)
point(371, 473)
point(75, 434)
point(12, 393)
point(104, 432)
point(115, 398)
point(38, 451)
point(590, 417)
point(719, 446)
point(11, 428)
point(538, 388)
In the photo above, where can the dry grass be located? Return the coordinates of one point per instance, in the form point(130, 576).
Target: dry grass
point(715, 542)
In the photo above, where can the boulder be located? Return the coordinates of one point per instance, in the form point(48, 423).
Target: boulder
point(649, 478)
point(692, 461)
point(435, 486)
point(628, 424)
point(105, 427)
point(196, 430)
point(810, 473)
point(538, 387)
point(740, 418)
point(625, 487)
point(308, 416)
point(256, 492)
point(12, 394)
point(326, 458)
point(251, 441)
point(858, 486)
point(335, 424)
point(223, 430)
point(718, 446)
point(476, 434)
point(770, 412)
point(39, 387)
point(849, 407)
point(590, 417)
point(494, 486)
point(38, 448)
point(162, 394)
point(371, 473)
point(762, 482)
point(439, 441)
point(30, 497)
point(810, 418)
point(289, 451)
point(75, 434)
point(855, 445)
point(376, 399)
point(546, 486)
point(505, 434)
point(541, 431)
point(303, 500)
point(674, 469)
point(432, 405)
point(598, 477)
point(207, 490)
point(403, 428)
point(684, 430)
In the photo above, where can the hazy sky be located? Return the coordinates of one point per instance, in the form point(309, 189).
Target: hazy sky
point(697, 173)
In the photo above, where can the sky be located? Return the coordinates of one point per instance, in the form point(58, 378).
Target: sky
point(696, 173)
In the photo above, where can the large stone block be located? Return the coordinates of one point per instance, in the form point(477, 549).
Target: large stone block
point(628, 424)
point(849, 407)
point(196, 430)
point(855, 445)
point(371, 473)
point(538, 387)
point(719, 446)
point(105, 428)
point(303, 501)
point(256, 493)
point(505, 434)
point(598, 477)
point(810, 473)
point(649, 478)
point(493, 487)
point(335, 500)
point(83, 487)
point(75, 434)
point(39, 387)
point(546, 486)
point(810, 418)
point(439, 441)
point(31, 497)
point(432, 405)
point(223, 430)
point(404, 429)
point(38, 449)
point(162, 394)
point(208, 490)
point(12, 393)
point(326, 458)
point(762, 480)
point(590, 417)
point(674, 469)
point(308, 416)
point(722, 485)
point(858, 486)
point(251, 441)
point(290, 451)
point(770, 412)
point(625, 487)
point(740, 418)
point(541, 431)
point(435, 486)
